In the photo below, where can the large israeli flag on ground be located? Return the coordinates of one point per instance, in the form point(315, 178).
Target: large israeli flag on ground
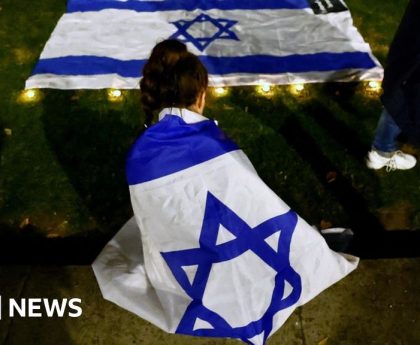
point(105, 43)
point(212, 251)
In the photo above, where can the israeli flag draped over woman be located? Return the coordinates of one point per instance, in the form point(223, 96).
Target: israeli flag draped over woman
point(211, 249)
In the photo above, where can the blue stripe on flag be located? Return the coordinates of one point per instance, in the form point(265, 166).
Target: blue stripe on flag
point(262, 64)
point(171, 145)
point(89, 65)
point(187, 5)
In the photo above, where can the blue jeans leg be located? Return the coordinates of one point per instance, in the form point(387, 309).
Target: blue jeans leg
point(386, 133)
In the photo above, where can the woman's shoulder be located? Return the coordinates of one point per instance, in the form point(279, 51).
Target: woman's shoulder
point(172, 144)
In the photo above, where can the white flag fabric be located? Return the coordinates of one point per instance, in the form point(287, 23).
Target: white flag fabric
point(105, 43)
point(212, 250)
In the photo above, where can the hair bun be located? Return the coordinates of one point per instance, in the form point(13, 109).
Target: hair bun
point(171, 77)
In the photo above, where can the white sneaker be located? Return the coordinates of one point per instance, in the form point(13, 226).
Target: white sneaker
point(398, 160)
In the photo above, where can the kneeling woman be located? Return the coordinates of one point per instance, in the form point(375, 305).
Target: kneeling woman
point(211, 251)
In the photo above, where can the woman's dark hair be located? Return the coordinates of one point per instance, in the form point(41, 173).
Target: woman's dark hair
point(172, 77)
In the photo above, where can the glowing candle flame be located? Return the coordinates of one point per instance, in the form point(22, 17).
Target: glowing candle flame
point(29, 95)
point(299, 87)
point(114, 95)
point(266, 87)
point(374, 85)
point(220, 91)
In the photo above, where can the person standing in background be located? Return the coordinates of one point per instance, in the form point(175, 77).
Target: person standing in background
point(401, 96)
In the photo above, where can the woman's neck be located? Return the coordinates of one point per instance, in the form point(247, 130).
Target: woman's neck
point(188, 115)
point(194, 108)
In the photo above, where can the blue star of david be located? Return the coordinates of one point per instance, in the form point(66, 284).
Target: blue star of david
point(209, 253)
point(223, 32)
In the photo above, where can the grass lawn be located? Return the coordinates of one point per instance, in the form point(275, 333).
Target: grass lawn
point(62, 159)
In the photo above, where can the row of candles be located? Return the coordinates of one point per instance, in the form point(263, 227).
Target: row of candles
point(115, 95)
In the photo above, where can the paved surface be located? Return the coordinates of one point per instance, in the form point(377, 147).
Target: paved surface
point(377, 304)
